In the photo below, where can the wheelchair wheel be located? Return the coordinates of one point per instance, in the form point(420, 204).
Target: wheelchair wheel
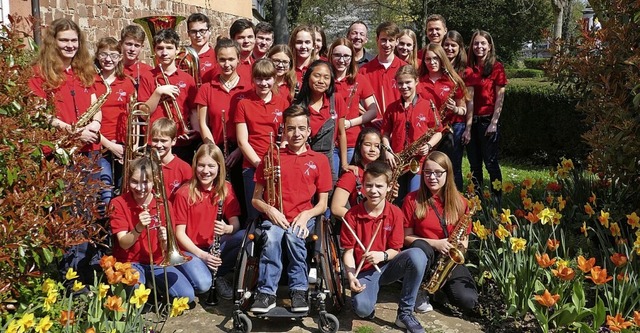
point(332, 269)
point(328, 323)
point(242, 323)
point(246, 271)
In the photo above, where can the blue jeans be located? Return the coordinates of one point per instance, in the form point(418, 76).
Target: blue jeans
point(409, 265)
point(106, 177)
point(337, 163)
point(229, 248)
point(249, 186)
point(270, 267)
point(179, 285)
point(457, 153)
point(485, 149)
point(197, 272)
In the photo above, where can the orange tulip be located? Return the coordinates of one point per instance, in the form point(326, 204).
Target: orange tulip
point(599, 276)
point(90, 330)
point(589, 210)
point(623, 277)
point(107, 262)
point(531, 217)
point(617, 323)
point(67, 318)
point(546, 299)
point(131, 277)
point(586, 265)
point(552, 244)
point(636, 318)
point(564, 273)
point(619, 259)
point(544, 261)
point(114, 303)
point(113, 277)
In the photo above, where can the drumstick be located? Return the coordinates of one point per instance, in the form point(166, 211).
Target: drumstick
point(373, 238)
point(358, 241)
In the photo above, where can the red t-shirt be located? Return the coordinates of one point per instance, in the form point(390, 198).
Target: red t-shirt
point(349, 182)
point(175, 173)
point(284, 91)
point(352, 101)
point(185, 98)
point(302, 177)
point(208, 63)
point(390, 235)
point(136, 70)
point(429, 226)
point(216, 99)
point(484, 89)
point(440, 91)
point(199, 217)
point(71, 99)
point(261, 119)
point(300, 72)
point(319, 117)
point(124, 216)
point(383, 81)
point(420, 118)
point(115, 109)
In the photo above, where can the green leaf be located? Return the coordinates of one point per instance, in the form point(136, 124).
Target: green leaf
point(578, 295)
point(599, 314)
point(48, 255)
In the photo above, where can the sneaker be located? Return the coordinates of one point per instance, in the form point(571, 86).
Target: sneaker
point(313, 275)
point(263, 303)
point(299, 301)
point(422, 303)
point(410, 323)
point(223, 288)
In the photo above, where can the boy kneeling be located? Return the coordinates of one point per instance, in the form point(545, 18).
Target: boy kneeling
point(378, 225)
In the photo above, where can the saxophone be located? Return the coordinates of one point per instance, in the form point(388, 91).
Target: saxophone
point(94, 108)
point(407, 160)
point(445, 263)
point(212, 298)
point(443, 108)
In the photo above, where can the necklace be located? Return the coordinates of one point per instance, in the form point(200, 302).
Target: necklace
point(231, 83)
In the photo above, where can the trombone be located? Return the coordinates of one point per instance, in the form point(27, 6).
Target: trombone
point(173, 106)
point(137, 136)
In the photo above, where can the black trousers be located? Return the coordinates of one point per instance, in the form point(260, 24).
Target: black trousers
point(460, 288)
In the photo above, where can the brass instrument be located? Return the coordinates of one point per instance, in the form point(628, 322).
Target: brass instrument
point(212, 298)
point(189, 61)
point(443, 108)
point(171, 255)
point(138, 114)
point(272, 174)
point(173, 107)
point(407, 159)
point(94, 108)
point(446, 263)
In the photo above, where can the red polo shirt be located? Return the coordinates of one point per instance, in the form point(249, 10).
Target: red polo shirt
point(349, 182)
point(185, 98)
point(208, 63)
point(390, 236)
point(383, 81)
point(352, 101)
point(175, 173)
point(440, 91)
point(303, 176)
point(136, 70)
point(319, 117)
point(428, 227)
point(284, 91)
point(300, 72)
point(484, 89)
point(199, 217)
point(71, 99)
point(420, 118)
point(261, 119)
point(115, 109)
point(216, 98)
point(124, 216)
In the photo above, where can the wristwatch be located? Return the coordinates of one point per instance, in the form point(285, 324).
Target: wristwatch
point(386, 256)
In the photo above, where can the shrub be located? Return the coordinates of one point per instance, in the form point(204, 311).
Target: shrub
point(513, 73)
point(540, 123)
point(536, 63)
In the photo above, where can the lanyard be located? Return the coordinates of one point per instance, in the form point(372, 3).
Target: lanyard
point(442, 219)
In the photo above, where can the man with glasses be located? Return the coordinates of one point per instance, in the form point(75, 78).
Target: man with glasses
point(199, 29)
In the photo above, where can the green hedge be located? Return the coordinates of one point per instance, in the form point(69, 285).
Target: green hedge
point(540, 123)
point(535, 63)
point(513, 73)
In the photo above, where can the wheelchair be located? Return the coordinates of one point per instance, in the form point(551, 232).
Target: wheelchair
point(326, 295)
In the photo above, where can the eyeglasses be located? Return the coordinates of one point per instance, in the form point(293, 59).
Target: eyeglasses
point(345, 57)
point(429, 173)
point(194, 32)
point(281, 62)
point(113, 56)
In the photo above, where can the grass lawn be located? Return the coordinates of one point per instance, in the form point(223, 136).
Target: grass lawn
point(514, 171)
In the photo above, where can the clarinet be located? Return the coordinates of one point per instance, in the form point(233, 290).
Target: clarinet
point(212, 298)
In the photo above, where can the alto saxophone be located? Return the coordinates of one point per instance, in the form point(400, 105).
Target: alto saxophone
point(94, 108)
point(443, 108)
point(446, 263)
point(212, 298)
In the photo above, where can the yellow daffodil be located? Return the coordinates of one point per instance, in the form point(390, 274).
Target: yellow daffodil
point(140, 296)
point(561, 203)
point(633, 220)
point(178, 306)
point(13, 326)
point(584, 229)
point(546, 216)
point(592, 198)
point(527, 183)
point(497, 185)
point(480, 230)
point(636, 245)
point(486, 194)
point(615, 229)
point(505, 216)
point(501, 232)
point(523, 193)
point(52, 297)
point(77, 286)
point(537, 207)
point(562, 173)
point(48, 284)
point(507, 187)
point(71, 274)
point(556, 217)
point(604, 218)
point(44, 325)
point(588, 210)
point(527, 203)
point(517, 244)
point(102, 290)
point(26, 322)
point(567, 164)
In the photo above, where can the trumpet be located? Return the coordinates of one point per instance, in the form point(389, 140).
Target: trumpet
point(172, 107)
point(137, 135)
point(272, 172)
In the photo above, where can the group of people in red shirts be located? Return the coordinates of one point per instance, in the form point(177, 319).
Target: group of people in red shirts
point(338, 117)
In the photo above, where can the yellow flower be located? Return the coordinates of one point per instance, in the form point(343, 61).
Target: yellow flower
point(636, 245)
point(507, 187)
point(480, 230)
point(537, 207)
point(71, 274)
point(502, 232)
point(562, 173)
point(486, 194)
point(178, 306)
point(48, 284)
point(517, 244)
point(505, 216)
point(562, 263)
point(497, 185)
point(140, 296)
point(44, 325)
point(77, 286)
point(26, 322)
point(567, 164)
point(527, 203)
point(523, 193)
point(633, 220)
point(475, 203)
point(52, 297)
point(527, 183)
point(584, 229)
point(471, 188)
point(592, 198)
point(102, 290)
point(556, 217)
point(588, 209)
point(13, 326)
point(546, 215)
point(615, 229)
point(604, 218)
point(561, 203)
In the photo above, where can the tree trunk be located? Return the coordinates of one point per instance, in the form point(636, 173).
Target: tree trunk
point(559, 11)
point(280, 21)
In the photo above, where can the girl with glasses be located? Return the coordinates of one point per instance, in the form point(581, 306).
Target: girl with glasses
point(286, 80)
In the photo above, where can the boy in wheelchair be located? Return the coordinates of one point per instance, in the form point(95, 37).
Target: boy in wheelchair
point(305, 179)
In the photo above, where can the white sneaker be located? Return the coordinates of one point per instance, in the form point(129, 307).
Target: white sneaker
point(313, 275)
point(422, 303)
point(224, 289)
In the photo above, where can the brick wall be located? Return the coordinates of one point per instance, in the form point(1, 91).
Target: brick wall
point(105, 18)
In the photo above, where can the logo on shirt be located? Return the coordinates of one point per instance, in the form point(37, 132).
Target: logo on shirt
point(445, 90)
point(387, 228)
point(206, 65)
point(310, 166)
point(121, 95)
point(155, 222)
point(421, 118)
point(239, 97)
point(393, 84)
point(174, 186)
point(276, 115)
point(181, 85)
